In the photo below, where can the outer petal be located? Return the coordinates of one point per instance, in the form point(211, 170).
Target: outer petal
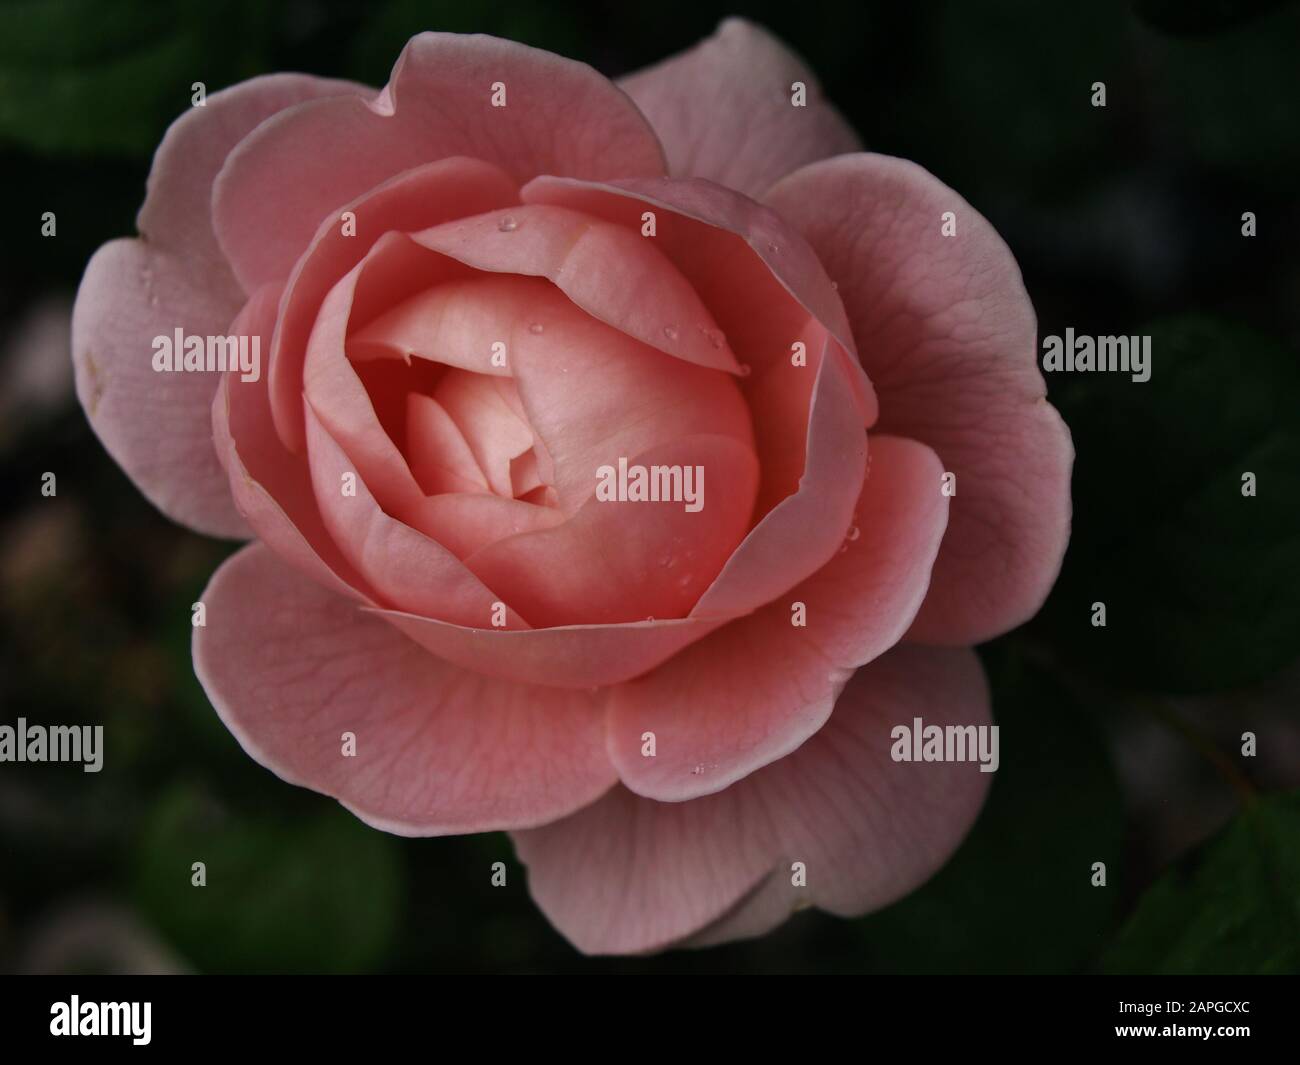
point(757, 688)
point(630, 875)
point(947, 333)
point(560, 117)
point(724, 110)
point(290, 667)
point(157, 426)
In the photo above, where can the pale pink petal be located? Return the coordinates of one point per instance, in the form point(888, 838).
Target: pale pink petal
point(725, 109)
point(439, 457)
point(466, 523)
point(270, 486)
point(629, 874)
point(763, 285)
point(947, 333)
point(614, 274)
point(407, 570)
point(415, 199)
point(494, 432)
point(797, 537)
point(620, 561)
point(759, 687)
point(156, 425)
point(561, 117)
point(572, 656)
point(291, 668)
point(177, 211)
point(593, 394)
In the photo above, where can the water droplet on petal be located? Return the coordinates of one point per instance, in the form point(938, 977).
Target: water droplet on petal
point(773, 247)
point(536, 327)
point(835, 286)
point(507, 224)
point(670, 332)
point(854, 532)
point(745, 369)
point(716, 337)
point(650, 617)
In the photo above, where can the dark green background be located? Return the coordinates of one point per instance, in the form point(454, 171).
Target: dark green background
point(1119, 745)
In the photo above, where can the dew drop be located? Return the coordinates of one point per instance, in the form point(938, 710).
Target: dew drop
point(746, 369)
point(773, 247)
point(670, 332)
point(536, 327)
point(715, 336)
point(650, 617)
point(835, 286)
point(507, 224)
point(854, 532)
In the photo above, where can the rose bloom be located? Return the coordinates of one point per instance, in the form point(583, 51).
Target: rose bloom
point(474, 289)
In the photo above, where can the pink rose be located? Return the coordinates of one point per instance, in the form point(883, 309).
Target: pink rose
point(483, 316)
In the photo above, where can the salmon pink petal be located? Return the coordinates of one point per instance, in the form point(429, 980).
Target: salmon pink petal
point(270, 486)
point(625, 560)
point(416, 199)
point(407, 570)
point(572, 656)
point(764, 287)
point(725, 109)
point(759, 687)
point(947, 333)
point(156, 425)
point(292, 669)
point(552, 116)
point(631, 875)
point(177, 211)
point(802, 532)
point(614, 274)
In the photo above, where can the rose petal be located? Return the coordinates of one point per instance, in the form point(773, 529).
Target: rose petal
point(561, 117)
point(615, 275)
point(724, 109)
point(416, 199)
point(628, 560)
point(177, 211)
point(761, 282)
point(629, 875)
point(291, 668)
point(756, 689)
point(156, 425)
point(802, 532)
point(571, 656)
point(270, 486)
point(407, 570)
point(947, 333)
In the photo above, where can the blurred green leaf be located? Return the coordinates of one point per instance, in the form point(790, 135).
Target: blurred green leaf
point(1017, 896)
point(1201, 584)
point(1233, 906)
point(317, 894)
point(82, 76)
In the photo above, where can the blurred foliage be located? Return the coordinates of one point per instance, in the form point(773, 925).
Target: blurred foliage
point(1118, 216)
point(1233, 906)
point(310, 894)
point(1201, 583)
